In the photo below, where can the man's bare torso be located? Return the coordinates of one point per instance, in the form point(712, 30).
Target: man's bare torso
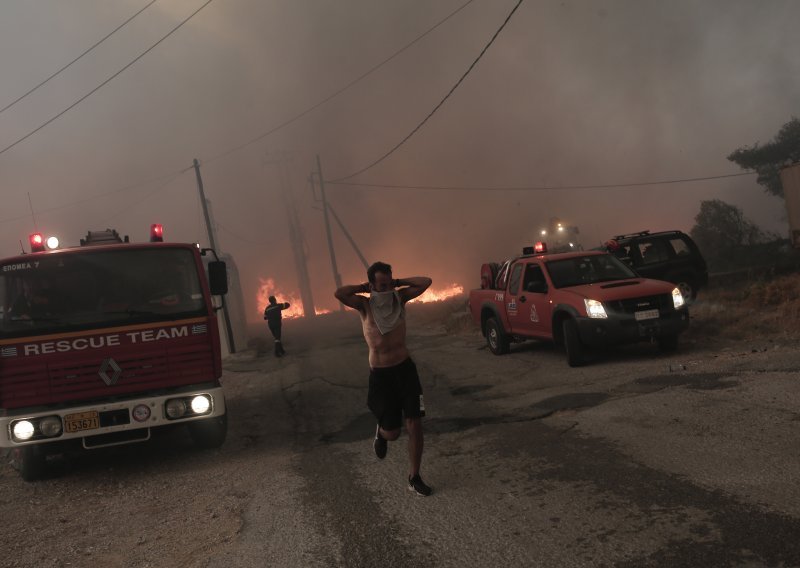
point(384, 350)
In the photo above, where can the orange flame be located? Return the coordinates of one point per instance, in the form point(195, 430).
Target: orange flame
point(268, 288)
point(440, 294)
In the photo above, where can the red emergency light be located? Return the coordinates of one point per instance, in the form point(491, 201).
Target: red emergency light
point(540, 248)
point(37, 242)
point(156, 233)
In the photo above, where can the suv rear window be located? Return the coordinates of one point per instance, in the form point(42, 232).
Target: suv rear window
point(681, 247)
point(653, 251)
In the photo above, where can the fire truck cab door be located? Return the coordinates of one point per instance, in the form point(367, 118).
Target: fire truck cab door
point(528, 293)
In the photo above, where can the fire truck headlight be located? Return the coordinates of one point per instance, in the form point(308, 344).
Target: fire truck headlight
point(595, 309)
point(175, 408)
point(677, 299)
point(22, 430)
point(50, 426)
point(201, 404)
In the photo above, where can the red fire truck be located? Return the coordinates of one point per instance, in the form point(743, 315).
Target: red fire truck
point(104, 342)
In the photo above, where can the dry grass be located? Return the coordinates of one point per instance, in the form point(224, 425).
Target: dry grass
point(751, 310)
point(452, 314)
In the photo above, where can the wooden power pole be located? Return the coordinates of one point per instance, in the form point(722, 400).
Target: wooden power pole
point(213, 243)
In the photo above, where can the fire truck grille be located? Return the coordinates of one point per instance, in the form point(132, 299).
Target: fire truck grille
point(83, 381)
point(661, 302)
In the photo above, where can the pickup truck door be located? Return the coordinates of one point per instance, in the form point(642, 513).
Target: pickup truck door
point(531, 316)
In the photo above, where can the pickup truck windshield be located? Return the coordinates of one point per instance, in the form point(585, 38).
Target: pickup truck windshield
point(589, 269)
point(92, 289)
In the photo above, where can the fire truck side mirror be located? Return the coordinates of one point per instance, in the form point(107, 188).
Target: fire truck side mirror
point(218, 278)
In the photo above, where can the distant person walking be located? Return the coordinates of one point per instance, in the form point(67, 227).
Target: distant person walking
point(272, 314)
point(395, 392)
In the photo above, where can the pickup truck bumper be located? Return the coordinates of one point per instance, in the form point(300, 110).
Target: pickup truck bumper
point(621, 329)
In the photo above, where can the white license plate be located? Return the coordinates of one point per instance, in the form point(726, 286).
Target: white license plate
point(646, 315)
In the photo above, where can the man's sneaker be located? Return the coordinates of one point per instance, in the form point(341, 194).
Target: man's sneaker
point(417, 485)
point(379, 444)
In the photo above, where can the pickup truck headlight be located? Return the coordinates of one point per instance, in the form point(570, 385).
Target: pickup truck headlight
point(595, 309)
point(677, 299)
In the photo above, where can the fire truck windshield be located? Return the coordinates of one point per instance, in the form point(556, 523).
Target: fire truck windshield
point(98, 288)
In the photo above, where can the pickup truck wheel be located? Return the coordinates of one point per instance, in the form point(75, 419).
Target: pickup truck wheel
point(496, 337)
point(576, 355)
point(30, 462)
point(209, 433)
point(668, 343)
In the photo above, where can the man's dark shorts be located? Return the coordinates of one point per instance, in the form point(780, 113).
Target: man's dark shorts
point(395, 392)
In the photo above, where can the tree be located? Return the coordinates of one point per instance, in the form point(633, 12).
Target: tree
point(721, 230)
point(767, 160)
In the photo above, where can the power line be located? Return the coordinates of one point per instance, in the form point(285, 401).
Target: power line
point(341, 90)
point(99, 195)
point(146, 196)
point(380, 186)
point(241, 238)
point(421, 124)
point(115, 30)
point(104, 83)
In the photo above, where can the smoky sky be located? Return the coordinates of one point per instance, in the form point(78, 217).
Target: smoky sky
point(571, 93)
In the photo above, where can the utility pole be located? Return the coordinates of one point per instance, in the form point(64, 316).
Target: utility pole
point(349, 238)
point(212, 241)
point(337, 278)
point(295, 236)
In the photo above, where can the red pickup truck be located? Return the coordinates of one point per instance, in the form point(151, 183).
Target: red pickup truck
point(577, 299)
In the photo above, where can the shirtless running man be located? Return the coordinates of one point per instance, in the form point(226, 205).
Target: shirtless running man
point(394, 388)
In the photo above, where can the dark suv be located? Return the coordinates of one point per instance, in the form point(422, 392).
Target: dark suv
point(669, 255)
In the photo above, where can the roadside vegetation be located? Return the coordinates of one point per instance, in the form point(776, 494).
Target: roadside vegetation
point(765, 308)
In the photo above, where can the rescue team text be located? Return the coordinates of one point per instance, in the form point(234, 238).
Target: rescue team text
point(99, 341)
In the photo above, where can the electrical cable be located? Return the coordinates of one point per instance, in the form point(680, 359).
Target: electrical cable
point(430, 114)
point(115, 30)
point(101, 85)
point(535, 188)
point(341, 90)
point(99, 195)
point(241, 238)
point(144, 197)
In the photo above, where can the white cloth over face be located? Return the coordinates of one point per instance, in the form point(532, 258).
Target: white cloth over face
point(387, 310)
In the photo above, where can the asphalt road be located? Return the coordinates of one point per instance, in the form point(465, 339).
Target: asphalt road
point(638, 459)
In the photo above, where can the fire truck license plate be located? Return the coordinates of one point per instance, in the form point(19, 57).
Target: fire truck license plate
point(646, 315)
point(81, 421)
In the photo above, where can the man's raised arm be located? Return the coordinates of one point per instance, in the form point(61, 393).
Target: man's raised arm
point(412, 287)
point(349, 296)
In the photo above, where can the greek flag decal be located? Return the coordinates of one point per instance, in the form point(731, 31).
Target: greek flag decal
point(199, 329)
point(9, 351)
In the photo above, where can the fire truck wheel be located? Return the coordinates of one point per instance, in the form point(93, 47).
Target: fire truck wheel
point(209, 433)
point(496, 337)
point(29, 461)
point(576, 355)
